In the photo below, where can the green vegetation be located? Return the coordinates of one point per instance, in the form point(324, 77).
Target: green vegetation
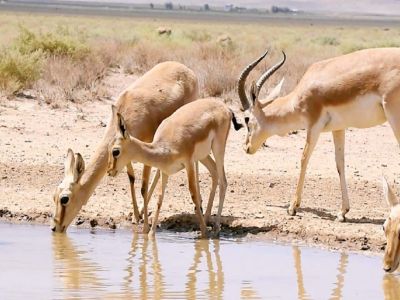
point(18, 70)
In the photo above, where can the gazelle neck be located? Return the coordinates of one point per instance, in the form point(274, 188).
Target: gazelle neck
point(150, 154)
point(96, 168)
point(282, 116)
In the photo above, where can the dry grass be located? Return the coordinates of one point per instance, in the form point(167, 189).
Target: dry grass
point(67, 64)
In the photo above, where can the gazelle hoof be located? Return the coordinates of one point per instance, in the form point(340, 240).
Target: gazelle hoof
point(291, 211)
point(205, 235)
point(341, 218)
point(136, 219)
point(146, 229)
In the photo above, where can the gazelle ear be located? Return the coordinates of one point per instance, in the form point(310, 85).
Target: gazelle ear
point(275, 93)
point(79, 167)
point(69, 163)
point(122, 126)
point(114, 112)
point(388, 193)
point(254, 93)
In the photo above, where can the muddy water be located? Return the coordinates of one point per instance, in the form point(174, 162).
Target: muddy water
point(36, 264)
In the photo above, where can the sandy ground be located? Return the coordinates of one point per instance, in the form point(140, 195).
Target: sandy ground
point(34, 140)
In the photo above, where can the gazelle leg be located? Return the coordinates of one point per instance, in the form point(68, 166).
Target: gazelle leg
point(339, 141)
point(209, 163)
point(152, 187)
point(196, 164)
point(192, 178)
point(391, 106)
point(164, 181)
point(219, 155)
point(312, 138)
point(131, 176)
point(147, 200)
point(149, 193)
point(145, 185)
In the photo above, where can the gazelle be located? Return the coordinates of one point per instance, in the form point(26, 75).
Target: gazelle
point(391, 227)
point(183, 139)
point(145, 104)
point(360, 89)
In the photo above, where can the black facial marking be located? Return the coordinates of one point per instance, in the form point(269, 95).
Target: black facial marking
point(116, 152)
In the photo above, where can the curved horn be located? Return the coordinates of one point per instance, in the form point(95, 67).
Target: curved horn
point(242, 80)
point(269, 72)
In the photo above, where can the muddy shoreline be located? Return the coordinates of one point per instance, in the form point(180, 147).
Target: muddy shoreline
point(187, 223)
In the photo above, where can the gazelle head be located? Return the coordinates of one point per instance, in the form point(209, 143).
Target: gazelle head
point(257, 128)
point(118, 157)
point(391, 228)
point(66, 199)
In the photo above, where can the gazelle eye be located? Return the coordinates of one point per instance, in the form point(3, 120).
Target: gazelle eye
point(116, 153)
point(64, 200)
point(246, 120)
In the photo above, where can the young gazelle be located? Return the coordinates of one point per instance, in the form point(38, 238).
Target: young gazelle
point(391, 228)
point(145, 104)
point(183, 139)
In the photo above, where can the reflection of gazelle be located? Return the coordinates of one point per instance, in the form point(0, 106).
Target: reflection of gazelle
point(301, 291)
point(151, 283)
point(215, 276)
point(360, 89)
point(148, 101)
point(148, 289)
point(187, 136)
point(78, 273)
point(391, 287)
point(391, 228)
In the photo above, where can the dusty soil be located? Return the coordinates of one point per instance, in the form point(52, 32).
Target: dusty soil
point(34, 140)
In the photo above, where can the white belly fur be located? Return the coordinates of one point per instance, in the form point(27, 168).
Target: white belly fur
point(202, 149)
point(363, 112)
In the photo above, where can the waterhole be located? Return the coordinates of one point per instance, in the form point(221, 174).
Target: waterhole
point(84, 264)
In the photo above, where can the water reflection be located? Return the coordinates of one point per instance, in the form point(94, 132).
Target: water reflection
point(144, 254)
point(200, 269)
point(73, 267)
point(391, 286)
point(215, 286)
point(144, 276)
point(301, 291)
point(336, 293)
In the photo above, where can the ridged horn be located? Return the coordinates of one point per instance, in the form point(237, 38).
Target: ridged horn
point(269, 72)
point(242, 80)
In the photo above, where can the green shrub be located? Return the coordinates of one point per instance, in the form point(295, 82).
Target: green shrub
point(18, 70)
point(60, 43)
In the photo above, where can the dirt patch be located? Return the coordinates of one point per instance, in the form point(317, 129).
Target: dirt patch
point(34, 140)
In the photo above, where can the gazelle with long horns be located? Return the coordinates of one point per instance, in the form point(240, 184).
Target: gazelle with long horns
point(183, 139)
point(145, 104)
point(360, 89)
